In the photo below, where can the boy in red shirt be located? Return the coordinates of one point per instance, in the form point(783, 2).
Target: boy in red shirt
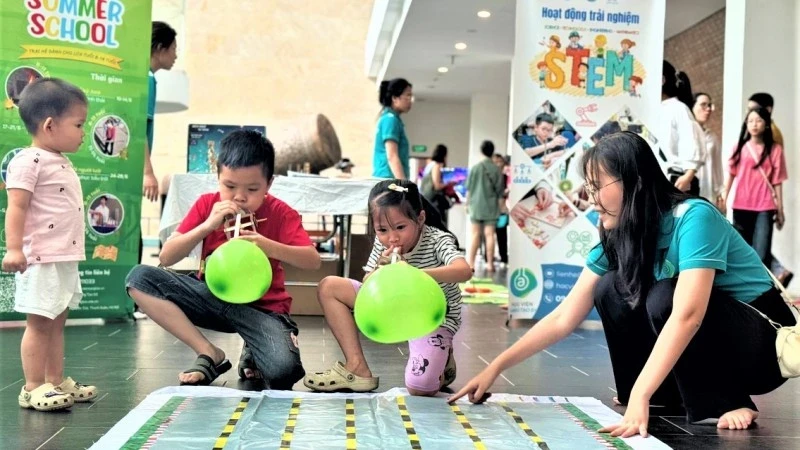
point(181, 303)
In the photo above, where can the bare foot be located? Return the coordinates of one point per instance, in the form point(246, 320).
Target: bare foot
point(738, 419)
point(360, 369)
point(195, 377)
point(616, 401)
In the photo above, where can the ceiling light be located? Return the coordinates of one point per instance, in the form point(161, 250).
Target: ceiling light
point(461, 46)
point(484, 14)
point(443, 69)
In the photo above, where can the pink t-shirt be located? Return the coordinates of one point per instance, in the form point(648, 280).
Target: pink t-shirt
point(54, 225)
point(752, 191)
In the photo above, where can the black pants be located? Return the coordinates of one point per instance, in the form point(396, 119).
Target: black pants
point(502, 243)
point(731, 357)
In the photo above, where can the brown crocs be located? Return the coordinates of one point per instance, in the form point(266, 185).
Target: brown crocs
point(337, 379)
point(45, 398)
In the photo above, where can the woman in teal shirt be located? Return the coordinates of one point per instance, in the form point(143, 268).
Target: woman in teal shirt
point(670, 279)
point(390, 158)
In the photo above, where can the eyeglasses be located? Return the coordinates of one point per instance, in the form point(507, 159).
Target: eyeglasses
point(593, 191)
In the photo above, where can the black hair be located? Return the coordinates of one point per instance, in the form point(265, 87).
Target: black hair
point(763, 99)
point(745, 136)
point(410, 203)
point(163, 36)
point(439, 153)
point(676, 84)
point(545, 117)
point(48, 97)
point(698, 95)
point(487, 148)
point(392, 88)
point(103, 197)
point(247, 148)
point(647, 198)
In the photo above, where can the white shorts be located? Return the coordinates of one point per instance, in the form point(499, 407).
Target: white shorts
point(48, 289)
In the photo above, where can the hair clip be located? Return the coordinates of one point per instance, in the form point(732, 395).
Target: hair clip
point(397, 188)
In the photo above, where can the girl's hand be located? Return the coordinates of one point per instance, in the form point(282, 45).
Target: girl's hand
point(386, 256)
point(15, 261)
point(634, 422)
point(780, 219)
point(476, 388)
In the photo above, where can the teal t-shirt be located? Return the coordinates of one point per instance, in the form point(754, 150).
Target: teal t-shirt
point(151, 108)
point(697, 236)
point(390, 128)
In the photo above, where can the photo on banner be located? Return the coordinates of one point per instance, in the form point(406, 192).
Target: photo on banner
point(106, 55)
point(545, 136)
point(542, 214)
point(594, 68)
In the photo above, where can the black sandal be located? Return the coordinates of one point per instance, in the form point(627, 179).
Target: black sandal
point(205, 365)
point(246, 361)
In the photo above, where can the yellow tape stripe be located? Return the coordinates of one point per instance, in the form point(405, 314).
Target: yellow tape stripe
point(413, 439)
point(227, 430)
point(524, 426)
point(462, 419)
point(291, 421)
point(350, 424)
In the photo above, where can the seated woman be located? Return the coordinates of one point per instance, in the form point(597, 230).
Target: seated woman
point(676, 287)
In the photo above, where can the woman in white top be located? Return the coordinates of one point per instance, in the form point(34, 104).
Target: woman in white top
point(680, 137)
point(712, 179)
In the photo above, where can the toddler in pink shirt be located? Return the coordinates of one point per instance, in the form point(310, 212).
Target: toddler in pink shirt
point(45, 239)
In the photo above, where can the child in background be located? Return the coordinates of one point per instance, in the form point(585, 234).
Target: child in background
point(402, 221)
point(45, 239)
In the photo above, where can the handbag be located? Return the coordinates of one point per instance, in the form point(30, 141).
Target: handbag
point(787, 342)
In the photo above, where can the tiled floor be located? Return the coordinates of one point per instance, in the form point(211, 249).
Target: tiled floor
point(129, 360)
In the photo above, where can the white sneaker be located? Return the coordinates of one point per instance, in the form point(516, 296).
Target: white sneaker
point(138, 315)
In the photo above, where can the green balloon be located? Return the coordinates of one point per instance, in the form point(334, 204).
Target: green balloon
point(398, 303)
point(238, 272)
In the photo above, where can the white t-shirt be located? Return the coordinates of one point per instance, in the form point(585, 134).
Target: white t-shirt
point(103, 211)
point(680, 136)
point(435, 248)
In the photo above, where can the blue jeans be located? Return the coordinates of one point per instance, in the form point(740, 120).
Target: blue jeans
point(271, 337)
point(756, 229)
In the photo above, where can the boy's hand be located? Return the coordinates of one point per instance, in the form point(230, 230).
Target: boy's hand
point(255, 238)
point(15, 261)
point(219, 212)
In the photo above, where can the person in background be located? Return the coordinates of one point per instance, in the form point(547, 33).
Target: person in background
point(433, 186)
point(680, 136)
point(765, 100)
point(760, 166)
point(390, 157)
point(501, 229)
point(163, 53)
point(712, 180)
point(484, 191)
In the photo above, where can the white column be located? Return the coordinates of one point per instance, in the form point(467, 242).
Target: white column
point(762, 55)
point(488, 121)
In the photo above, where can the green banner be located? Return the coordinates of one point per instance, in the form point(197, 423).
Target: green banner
point(102, 46)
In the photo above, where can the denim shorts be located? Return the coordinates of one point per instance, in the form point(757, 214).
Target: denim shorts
point(271, 337)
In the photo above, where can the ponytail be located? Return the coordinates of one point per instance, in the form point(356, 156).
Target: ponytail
point(391, 88)
point(676, 85)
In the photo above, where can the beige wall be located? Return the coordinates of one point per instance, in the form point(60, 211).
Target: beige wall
point(270, 62)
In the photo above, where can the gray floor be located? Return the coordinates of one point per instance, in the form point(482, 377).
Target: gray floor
point(129, 360)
